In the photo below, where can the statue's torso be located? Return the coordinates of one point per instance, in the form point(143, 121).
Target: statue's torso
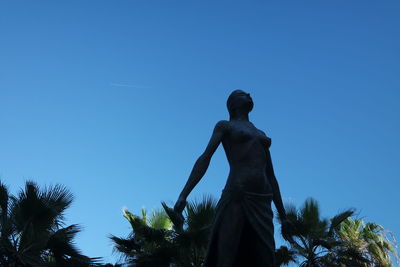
point(245, 147)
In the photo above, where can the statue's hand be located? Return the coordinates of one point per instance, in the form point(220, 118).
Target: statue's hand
point(287, 230)
point(180, 205)
point(175, 214)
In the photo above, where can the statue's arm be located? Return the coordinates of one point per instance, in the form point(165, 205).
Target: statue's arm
point(201, 165)
point(277, 198)
point(287, 226)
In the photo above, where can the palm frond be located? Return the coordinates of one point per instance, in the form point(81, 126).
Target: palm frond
point(30, 210)
point(58, 198)
point(284, 256)
point(61, 243)
point(125, 246)
point(291, 212)
point(3, 199)
point(349, 256)
point(144, 216)
point(200, 214)
point(310, 213)
point(160, 220)
point(141, 229)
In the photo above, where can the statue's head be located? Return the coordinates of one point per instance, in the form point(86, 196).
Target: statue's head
point(239, 100)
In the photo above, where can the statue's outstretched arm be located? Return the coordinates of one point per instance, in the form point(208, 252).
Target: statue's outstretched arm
point(201, 165)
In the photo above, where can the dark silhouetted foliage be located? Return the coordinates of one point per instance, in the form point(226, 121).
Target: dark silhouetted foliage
point(32, 228)
point(157, 242)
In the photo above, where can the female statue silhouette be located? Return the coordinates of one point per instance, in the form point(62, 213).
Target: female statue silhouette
point(243, 232)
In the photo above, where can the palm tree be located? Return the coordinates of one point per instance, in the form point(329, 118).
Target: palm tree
point(155, 241)
point(314, 240)
point(369, 239)
point(32, 228)
point(317, 242)
point(149, 240)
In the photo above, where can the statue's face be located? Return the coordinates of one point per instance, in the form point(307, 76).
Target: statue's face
point(243, 100)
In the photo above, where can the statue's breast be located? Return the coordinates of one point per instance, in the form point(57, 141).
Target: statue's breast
point(265, 140)
point(241, 135)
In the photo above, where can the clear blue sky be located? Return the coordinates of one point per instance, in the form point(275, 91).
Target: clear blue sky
point(117, 99)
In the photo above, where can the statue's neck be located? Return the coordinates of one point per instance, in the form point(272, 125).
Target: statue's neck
point(240, 117)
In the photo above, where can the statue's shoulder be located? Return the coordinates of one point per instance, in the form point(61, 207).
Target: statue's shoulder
point(222, 126)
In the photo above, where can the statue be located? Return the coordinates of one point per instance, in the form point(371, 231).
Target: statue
point(243, 232)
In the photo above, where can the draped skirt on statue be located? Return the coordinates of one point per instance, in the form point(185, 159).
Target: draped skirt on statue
point(242, 234)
